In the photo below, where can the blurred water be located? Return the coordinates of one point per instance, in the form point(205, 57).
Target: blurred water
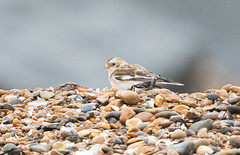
point(45, 43)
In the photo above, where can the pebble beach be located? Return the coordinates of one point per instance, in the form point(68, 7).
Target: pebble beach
point(76, 120)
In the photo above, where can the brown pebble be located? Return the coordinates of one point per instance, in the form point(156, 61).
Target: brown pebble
point(126, 113)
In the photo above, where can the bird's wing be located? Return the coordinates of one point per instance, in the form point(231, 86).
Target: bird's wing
point(132, 72)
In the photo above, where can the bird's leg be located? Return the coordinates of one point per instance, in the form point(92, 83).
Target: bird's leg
point(152, 84)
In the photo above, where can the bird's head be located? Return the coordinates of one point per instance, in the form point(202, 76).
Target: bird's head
point(114, 63)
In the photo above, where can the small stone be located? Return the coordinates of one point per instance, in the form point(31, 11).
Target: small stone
point(235, 89)
point(202, 150)
point(201, 124)
point(200, 142)
point(46, 95)
point(11, 149)
point(6, 106)
point(89, 107)
point(118, 141)
point(139, 110)
point(84, 133)
point(211, 115)
point(114, 114)
point(158, 101)
point(15, 101)
point(166, 114)
point(39, 102)
point(133, 122)
point(6, 120)
point(190, 101)
point(190, 132)
point(171, 97)
point(98, 140)
point(15, 122)
point(144, 150)
point(103, 98)
point(129, 97)
point(39, 147)
point(150, 140)
point(213, 96)
point(233, 98)
point(51, 126)
point(143, 125)
point(144, 116)
point(227, 87)
point(235, 141)
point(3, 92)
point(202, 133)
point(59, 145)
point(233, 109)
point(104, 126)
point(184, 148)
point(126, 113)
point(68, 131)
point(178, 134)
point(10, 97)
point(172, 152)
point(181, 108)
point(55, 152)
point(229, 152)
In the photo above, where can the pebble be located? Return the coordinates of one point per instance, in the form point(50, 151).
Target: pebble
point(178, 134)
point(84, 133)
point(6, 106)
point(15, 101)
point(202, 150)
point(51, 126)
point(144, 116)
point(185, 148)
point(98, 140)
point(213, 96)
point(202, 133)
point(39, 147)
point(11, 149)
point(103, 98)
point(126, 113)
point(129, 97)
point(59, 145)
point(233, 109)
point(151, 140)
point(166, 114)
point(158, 101)
point(133, 123)
point(201, 124)
point(46, 95)
point(89, 107)
point(235, 141)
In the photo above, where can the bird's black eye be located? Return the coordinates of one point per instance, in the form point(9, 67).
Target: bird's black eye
point(113, 64)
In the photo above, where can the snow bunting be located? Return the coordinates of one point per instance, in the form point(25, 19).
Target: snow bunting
point(124, 76)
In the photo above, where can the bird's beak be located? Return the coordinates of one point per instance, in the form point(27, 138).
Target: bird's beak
point(106, 66)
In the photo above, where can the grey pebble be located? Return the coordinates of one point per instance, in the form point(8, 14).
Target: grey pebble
point(213, 96)
point(233, 109)
point(166, 114)
point(39, 147)
point(114, 114)
point(15, 101)
point(201, 124)
point(11, 149)
point(6, 106)
point(89, 106)
point(51, 126)
point(184, 148)
point(6, 120)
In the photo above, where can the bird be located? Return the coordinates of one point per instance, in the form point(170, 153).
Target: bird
point(130, 76)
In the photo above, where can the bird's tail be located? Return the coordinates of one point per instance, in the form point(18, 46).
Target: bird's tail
point(161, 80)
